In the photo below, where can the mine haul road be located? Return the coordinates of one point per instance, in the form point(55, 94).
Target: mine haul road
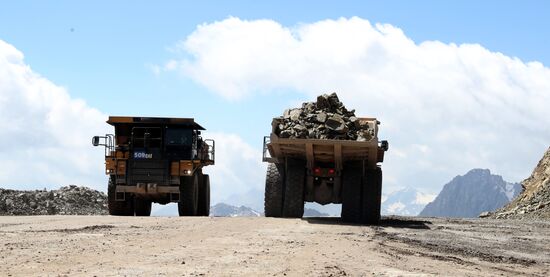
point(174, 246)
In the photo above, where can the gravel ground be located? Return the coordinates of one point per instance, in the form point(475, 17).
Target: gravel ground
point(107, 246)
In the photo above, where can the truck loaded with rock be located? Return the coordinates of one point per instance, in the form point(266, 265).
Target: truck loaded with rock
point(323, 153)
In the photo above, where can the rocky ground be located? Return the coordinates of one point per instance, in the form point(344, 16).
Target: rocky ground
point(69, 200)
point(215, 246)
point(534, 201)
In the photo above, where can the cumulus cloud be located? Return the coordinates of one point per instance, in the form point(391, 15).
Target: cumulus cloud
point(445, 108)
point(46, 134)
point(238, 169)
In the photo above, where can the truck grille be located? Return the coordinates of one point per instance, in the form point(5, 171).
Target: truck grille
point(147, 171)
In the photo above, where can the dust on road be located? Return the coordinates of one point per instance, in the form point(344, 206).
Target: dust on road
point(106, 245)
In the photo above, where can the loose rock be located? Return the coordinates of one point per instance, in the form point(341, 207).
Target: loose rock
point(327, 118)
point(69, 200)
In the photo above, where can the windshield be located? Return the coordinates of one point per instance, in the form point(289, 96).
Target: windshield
point(179, 137)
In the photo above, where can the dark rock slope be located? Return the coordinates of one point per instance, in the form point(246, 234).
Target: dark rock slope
point(470, 195)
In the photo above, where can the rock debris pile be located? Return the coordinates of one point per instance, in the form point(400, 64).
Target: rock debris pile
point(327, 118)
point(534, 201)
point(69, 200)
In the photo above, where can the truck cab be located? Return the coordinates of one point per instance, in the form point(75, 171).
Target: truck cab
point(153, 159)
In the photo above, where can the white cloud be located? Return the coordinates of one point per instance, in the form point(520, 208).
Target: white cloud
point(424, 198)
point(396, 207)
point(46, 138)
point(464, 105)
point(46, 134)
point(238, 169)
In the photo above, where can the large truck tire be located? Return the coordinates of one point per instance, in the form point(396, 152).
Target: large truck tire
point(204, 196)
point(372, 196)
point(124, 208)
point(293, 200)
point(274, 186)
point(189, 195)
point(351, 191)
point(142, 207)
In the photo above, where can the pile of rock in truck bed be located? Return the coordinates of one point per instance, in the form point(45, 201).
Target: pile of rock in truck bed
point(327, 118)
point(69, 200)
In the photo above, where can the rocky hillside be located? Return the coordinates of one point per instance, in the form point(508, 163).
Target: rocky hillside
point(470, 195)
point(69, 200)
point(534, 201)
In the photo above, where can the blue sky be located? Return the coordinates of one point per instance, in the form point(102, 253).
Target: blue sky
point(104, 53)
point(104, 59)
point(101, 50)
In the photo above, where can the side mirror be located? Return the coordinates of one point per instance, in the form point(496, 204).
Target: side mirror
point(95, 141)
point(385, 145)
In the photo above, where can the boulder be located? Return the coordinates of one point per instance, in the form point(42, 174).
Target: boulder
point(337, 124)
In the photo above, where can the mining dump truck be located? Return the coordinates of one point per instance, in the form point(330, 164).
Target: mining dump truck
point(325, 171)
point(152, 159)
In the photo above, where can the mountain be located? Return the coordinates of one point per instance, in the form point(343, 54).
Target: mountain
point(226, 210)
point(313, 213)
point(253, 198)
point(534, 201)
point(471, 194)
point(218, 210)
point(407, 201)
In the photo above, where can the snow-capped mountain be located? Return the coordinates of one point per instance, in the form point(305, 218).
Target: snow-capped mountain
point(407, 201)
point(226, 210)
point(471, 194)
point(253, 198)
point(220, 210)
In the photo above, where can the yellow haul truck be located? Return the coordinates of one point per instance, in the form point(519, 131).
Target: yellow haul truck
point(324, 171)
point(152, 159)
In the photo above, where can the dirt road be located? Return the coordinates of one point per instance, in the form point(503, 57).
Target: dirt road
point(104, 245)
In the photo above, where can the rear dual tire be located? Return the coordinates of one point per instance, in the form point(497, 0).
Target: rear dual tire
point(274, 186)
point(204, 195)
point(352, 192)
point(189, 196)
point(194, 195)
point(284, 189)
point(293, 203)
point(372, 196)
point(361, 194)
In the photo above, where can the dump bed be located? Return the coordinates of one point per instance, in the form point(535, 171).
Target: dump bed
point(276, 149)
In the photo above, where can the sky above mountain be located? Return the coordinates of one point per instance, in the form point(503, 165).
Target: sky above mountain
point(456, 85)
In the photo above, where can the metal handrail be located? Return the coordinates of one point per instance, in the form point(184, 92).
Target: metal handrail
point(211, 149)
point(266, 156)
